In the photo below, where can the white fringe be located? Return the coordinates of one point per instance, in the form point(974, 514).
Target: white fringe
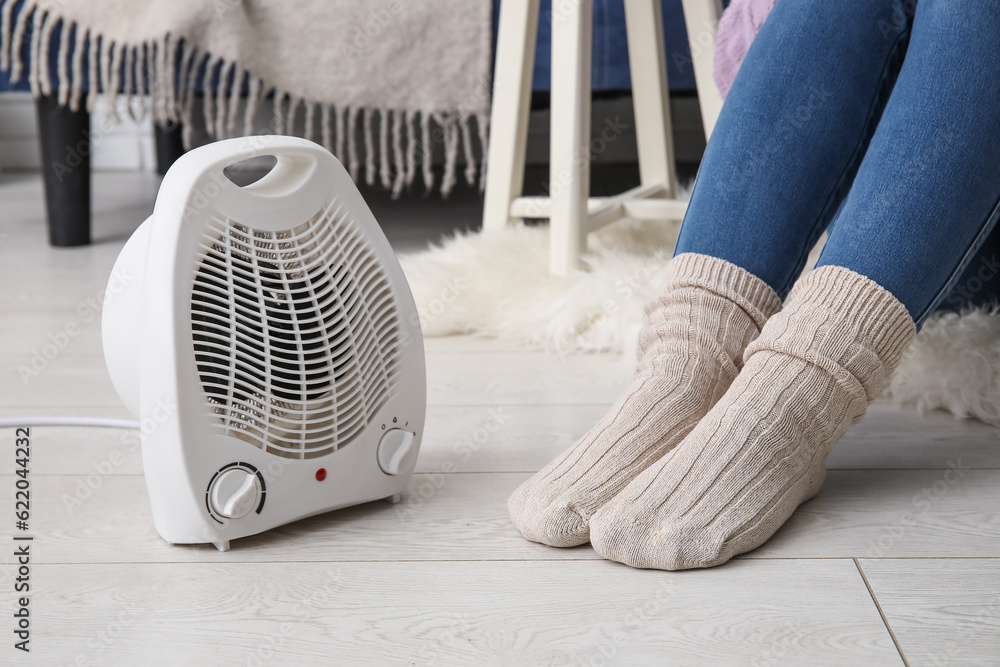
point(278, 122)
point(5, 19)
point(166, 70)
point(397, 154)
point(352, 143)
point(253, 103)
point(325, 134)
point(142, 77)
point(129, 81)
point(411, 147)
point(428, 148)
point(341, 151)
point(369, 149)
point(77, 69)
point(483, 122)
point(310, 121)
point(293, 108)
point(221, 99)
point(385, 170)
point(33, 66)
point(44, 78)
point(470, 157)
point(62, 66)
point(27, 13)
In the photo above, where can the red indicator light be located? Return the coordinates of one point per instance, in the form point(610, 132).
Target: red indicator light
point(321, 474)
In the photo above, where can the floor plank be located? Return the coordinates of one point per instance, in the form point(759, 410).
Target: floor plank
point(523, 438)
point(97, 518)
point(895, 514)
point(859, 514)
point(453, 613)
point(943, 612)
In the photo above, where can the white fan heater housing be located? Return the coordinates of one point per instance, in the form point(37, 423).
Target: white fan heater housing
point(268, 343)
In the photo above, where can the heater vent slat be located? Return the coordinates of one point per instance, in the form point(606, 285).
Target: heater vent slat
point(295, 333)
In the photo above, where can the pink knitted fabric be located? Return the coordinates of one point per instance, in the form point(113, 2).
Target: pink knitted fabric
point(737, 28)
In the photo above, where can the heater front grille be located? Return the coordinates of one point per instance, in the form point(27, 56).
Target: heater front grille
point(296, 333)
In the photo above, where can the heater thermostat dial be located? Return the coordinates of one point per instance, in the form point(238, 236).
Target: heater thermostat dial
point(393, 448)
point(234, 493)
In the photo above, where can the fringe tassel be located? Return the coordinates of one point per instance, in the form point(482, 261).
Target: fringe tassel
point(293, 108)
point(208, 98)
point(253, 103)
point(221, 97)
point(385, 171)
point(158, 80)
point(142, 76)
point(310, 121)
point(187, 108)
point(341, 151)
point(470, 157)
point(279, 114)
point(411, 147)
point(36, 35)
point(451, 140)
point(129, 82)
point(114, 82)
point(45, 78)
point(369, 149)
point(170, 75)
point(186, 92)
point(483, 122)
point(166, 69)
point(77, 89)
point(397, 153)
point(6, 15)
point(235, 95)
point(93, 50)
point(428, 147)
point(62, 64)
point(352, 143)
point(27, 12)
point(324, 121)
point(105, 74)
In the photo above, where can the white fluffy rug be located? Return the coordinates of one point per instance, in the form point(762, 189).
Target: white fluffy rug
point(499, 286)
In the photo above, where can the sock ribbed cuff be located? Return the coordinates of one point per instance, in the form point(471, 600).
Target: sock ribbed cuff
point(860, 305)
point(726, 279)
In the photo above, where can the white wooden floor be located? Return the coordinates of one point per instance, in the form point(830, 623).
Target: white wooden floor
point(896, 562)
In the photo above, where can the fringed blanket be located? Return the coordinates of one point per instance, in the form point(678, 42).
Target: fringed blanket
point(402, 76)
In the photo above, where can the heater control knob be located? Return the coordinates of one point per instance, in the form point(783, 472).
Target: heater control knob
point(393, 448)
point(234, 493)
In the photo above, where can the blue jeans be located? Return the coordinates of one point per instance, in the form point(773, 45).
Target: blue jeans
point(876, 120)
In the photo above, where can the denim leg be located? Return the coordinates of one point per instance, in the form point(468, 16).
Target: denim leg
point(927, 194)
point(979, 284)
point(793, 131)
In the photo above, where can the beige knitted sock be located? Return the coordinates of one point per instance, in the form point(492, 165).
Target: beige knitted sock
point(759, 452)
point(690, 350)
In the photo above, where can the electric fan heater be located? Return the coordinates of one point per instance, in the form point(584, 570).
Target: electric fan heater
point(268, 343)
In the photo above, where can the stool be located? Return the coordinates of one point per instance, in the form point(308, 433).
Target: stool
point(572, 213)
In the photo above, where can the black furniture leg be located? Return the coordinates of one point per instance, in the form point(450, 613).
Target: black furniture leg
point(169, 145)
point(65, 142)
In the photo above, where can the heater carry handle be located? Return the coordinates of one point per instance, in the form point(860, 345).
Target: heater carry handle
point(297, 186)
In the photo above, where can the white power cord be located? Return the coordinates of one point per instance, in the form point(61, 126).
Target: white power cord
point(97, 422)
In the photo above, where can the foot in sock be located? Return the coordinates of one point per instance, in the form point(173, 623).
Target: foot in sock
point(759, 453)
point(690, 350)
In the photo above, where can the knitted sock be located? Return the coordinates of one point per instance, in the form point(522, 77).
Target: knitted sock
point(759, 452)
point(690, 350)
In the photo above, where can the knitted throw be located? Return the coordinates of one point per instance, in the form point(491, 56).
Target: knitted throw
point(396, 77)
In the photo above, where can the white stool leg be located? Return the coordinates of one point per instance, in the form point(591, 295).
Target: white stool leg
point(569, 155)
point(702, 19)
point(650, 94)
point(515, 59)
